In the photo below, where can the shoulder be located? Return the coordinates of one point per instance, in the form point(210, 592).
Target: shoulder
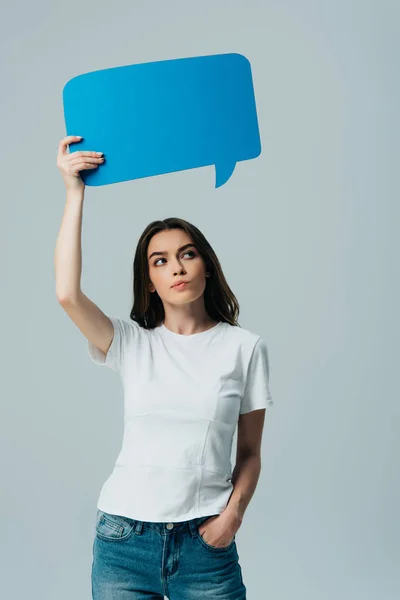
point(129, 328)
point(247, 345)
point(242, 336)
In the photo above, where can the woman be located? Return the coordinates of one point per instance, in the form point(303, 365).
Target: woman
point(168, 514)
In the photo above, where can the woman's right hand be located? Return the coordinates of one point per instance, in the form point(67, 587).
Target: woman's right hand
point(70, 164)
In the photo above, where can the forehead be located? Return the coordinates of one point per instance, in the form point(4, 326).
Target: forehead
point(168, 240)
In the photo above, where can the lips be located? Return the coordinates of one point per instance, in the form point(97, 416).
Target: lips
point(180, 284)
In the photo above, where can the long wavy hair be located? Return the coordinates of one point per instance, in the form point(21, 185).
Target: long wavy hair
point(148, 310)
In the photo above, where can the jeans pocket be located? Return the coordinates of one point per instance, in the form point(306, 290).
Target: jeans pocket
point(110, 527)
point(200, 521)
point(215, 548)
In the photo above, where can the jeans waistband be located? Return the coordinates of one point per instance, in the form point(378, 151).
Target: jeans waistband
point(162, 526)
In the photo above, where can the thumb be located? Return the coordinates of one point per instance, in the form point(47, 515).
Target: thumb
point(69, 139)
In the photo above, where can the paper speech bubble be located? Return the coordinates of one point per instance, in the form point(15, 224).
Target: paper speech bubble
point(165, 116)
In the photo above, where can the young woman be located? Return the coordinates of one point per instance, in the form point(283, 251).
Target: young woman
point(168, 514)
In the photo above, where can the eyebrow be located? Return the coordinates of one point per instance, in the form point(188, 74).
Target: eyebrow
point(164, 252)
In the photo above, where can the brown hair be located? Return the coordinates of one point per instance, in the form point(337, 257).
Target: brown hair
point(219, 301)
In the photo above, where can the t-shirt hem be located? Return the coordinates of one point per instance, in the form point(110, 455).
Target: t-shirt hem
point(159, 518)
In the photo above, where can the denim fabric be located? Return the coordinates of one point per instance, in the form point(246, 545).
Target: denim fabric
point(142, 560)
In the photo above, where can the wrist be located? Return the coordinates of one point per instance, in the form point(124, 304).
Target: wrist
point(74, 194)
point(233, 517)
point(73, 189)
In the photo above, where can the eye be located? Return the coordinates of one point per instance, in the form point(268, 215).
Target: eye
point(187, 252)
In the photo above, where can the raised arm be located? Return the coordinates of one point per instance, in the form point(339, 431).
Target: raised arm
point(86, 315)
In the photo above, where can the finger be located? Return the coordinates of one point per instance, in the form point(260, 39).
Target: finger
point(84, 153)
point(69, 139)
point(83, 166)
point(89, 166)
point(75, 160)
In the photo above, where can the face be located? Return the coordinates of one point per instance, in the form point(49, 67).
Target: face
point(171, 263)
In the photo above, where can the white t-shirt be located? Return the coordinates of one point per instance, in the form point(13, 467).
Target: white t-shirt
point(182, 398)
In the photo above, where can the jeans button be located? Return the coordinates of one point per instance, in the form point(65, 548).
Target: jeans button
point(169, 525)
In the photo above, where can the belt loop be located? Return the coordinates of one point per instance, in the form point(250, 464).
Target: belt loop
point(138, 527)
point(193, 527)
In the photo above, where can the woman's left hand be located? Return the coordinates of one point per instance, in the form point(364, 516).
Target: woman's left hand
point(219, 530)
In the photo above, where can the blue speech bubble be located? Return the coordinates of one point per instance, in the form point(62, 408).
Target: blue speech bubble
point(165, 116)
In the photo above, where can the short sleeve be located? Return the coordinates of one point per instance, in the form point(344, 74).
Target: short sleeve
point(114, 359)
point(257, 393)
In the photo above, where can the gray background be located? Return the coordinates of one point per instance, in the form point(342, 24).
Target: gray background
point(307, 235)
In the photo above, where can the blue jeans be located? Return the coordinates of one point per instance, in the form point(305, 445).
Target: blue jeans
point(142, 560)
